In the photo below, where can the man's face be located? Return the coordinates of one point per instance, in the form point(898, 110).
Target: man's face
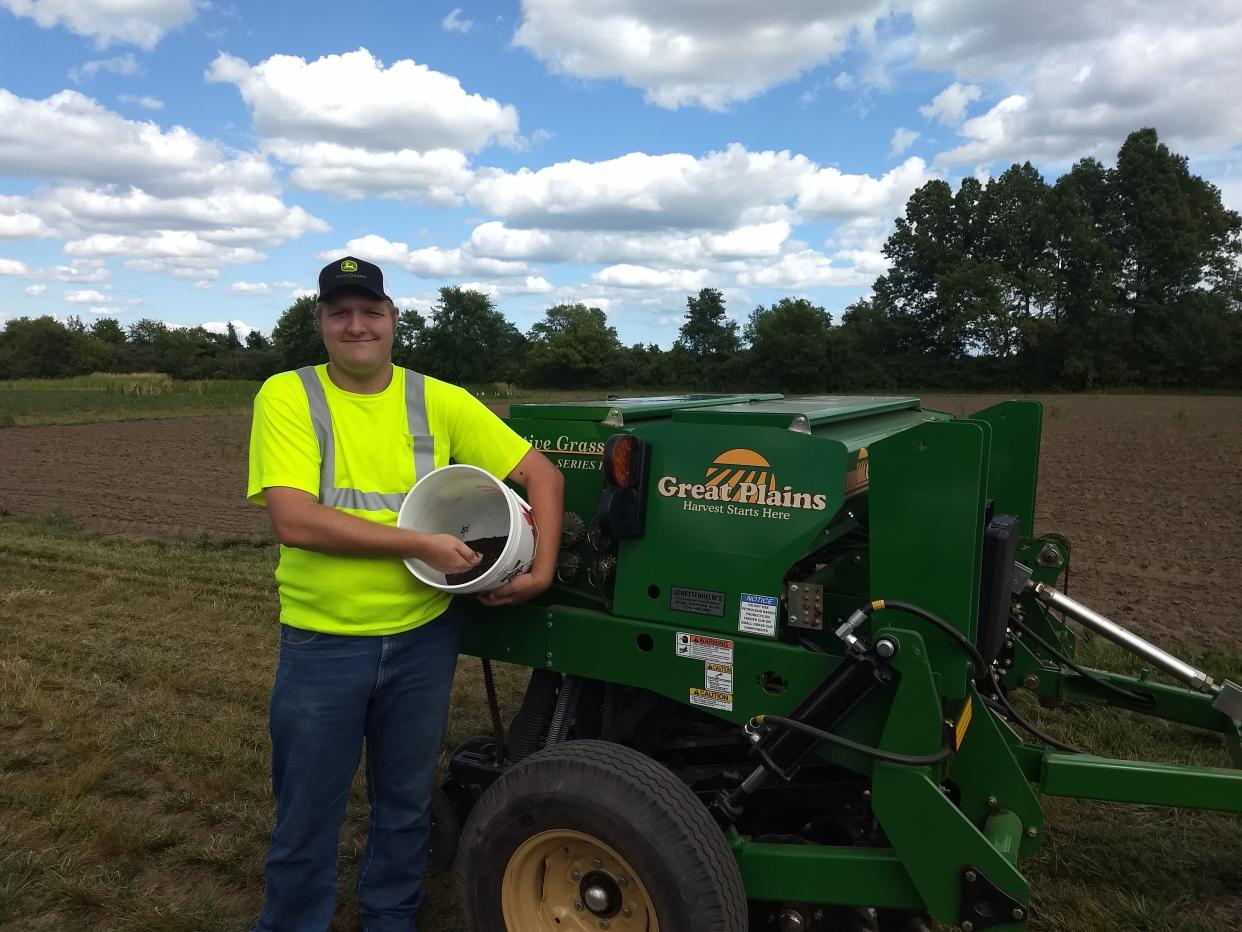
point(358, 331)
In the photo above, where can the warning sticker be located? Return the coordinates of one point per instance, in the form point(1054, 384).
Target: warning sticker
point(711, 699)
point(757, 614)
point(702, 647)
point(718, 677)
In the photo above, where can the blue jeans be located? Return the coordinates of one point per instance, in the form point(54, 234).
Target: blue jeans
point(331, 691)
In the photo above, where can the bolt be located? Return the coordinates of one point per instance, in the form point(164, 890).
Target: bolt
point(575, 875)
point(627, 912)
point(886, 647)
point(548, 664)
point(968, 926)
point(866, 794)
point(819, 914)
point(1030, 681)
point(549, 624)
point(1017, 913)
point(603, 923)
point(578, 906)
point(1032, 831)
point(993, 802)
point(596, 863)
point(971, 876)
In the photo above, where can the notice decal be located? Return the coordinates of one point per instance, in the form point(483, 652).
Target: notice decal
point(757, 614)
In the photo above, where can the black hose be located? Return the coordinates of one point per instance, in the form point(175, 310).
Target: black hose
point(982, 667)
point(892, 757)
point(531, 722)
point(493, 710)
point(1145, 699)
point(566, 706)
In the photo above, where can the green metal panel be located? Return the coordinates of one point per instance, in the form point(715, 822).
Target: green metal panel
point(936, 842)
point(697, 541)
point(926, 517)
point(516, 634)
point(1126, 781)
point(1013, 472)
point(826, 875)
point(989, 777)
point(797, 413)
point(624, 410)
point(1003, 830)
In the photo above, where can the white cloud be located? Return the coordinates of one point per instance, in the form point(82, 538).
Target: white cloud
point(681, 53)
point(144, 101)
point(13, 267)
point(136, 22)
point(203, 285)
point(250, 288)
point(1075, 78)
point(226, 216)
point(428, 262)
point(242, 328)
point(125, 64)
point(949, 106)
point(831, 193)
point(454, 23)
point(70, 136)
point(177, 245)
point(638, 276)
point(640, 191)
point(902, 140)
point(104, 310)
point(806, 269)
point(19, 224)
point(85, 297)
point(352, 127)
point(33, 291)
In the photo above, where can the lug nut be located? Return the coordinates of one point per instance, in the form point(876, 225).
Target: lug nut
point(578, 906)
point(596, 863)
point(575, 874)
point(968, 926)
point(627, 912)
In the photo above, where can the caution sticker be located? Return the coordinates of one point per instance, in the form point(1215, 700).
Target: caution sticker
point(702, 647)
point(757, 614)
point(711, 699)
point(718, 677)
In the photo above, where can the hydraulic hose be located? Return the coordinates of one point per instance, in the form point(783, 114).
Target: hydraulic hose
point(892, 757)
point(982, 668)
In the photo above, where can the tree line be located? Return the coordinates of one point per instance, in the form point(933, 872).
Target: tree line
point(1110, 277)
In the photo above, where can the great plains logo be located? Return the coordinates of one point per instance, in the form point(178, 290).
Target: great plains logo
point(349, 265)
point(735, 483)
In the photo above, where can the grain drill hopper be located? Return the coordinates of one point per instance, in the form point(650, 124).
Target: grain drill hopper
point(772, 687)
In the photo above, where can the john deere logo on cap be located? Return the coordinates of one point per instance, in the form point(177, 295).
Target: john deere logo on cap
point(349, 265)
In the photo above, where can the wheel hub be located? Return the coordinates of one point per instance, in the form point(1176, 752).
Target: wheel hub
point(568, 881)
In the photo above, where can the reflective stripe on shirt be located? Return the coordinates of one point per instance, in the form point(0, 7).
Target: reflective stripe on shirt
point(321, 418)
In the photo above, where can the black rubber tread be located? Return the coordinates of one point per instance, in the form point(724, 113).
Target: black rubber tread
point(637, 790)
point(445, 832)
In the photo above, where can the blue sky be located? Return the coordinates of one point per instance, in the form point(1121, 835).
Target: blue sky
point(197, 162)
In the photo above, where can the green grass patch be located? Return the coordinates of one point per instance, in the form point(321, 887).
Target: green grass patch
point(134, 757)
point(118, 397)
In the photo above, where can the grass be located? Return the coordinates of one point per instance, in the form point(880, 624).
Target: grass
point(118, 397)
point(134, 760)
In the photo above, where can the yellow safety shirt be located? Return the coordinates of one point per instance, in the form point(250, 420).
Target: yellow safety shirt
point(361, 454)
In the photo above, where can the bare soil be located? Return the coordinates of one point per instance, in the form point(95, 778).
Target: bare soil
point(1148, 489)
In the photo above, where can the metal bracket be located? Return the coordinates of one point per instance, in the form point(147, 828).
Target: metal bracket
point(984, 904)
point(1229, 700)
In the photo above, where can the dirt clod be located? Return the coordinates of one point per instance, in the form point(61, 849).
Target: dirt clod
point(489, 549)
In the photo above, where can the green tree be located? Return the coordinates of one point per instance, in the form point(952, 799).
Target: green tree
point(231, 339)
point(296, 336)
point(469, 341)
point(257, 341)
point(709, 336)
point(35, 349)
point(108, 330)
point(790, 345)
point(410, 327)
point(572, 347)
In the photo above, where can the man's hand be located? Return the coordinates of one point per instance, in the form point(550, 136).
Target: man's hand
point(515, 591)
point(446, 553)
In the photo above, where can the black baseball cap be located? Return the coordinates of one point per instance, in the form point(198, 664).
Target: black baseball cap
point(349, 272)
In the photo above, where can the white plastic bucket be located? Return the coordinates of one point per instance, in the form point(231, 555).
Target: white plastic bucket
point(470, 503)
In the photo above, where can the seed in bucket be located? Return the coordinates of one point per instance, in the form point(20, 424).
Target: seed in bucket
point(489, 550)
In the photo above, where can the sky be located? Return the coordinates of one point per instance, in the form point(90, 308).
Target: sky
point(197, 162)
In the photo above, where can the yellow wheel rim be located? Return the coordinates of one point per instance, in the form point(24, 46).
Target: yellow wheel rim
point(567, 881)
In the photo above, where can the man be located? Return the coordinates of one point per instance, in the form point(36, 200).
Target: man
point(367, 651)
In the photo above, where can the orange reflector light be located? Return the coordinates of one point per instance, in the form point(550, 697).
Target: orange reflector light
point(619, 460)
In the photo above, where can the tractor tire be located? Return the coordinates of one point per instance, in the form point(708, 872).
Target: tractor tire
point(591, 835)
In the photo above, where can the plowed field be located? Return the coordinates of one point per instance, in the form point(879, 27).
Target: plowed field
point(1148, 489)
